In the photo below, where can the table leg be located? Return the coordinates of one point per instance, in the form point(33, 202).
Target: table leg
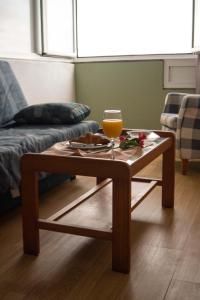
point(121, 225)
point(30, 213)
point(99, 179)
point(168, 177)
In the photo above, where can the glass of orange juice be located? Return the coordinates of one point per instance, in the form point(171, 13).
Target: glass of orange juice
point(112, 125)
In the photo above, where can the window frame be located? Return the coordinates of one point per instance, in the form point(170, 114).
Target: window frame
point(43, 22)
point(196, 48)
point(42, 48)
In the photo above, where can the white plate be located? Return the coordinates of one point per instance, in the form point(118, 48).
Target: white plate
point(150, 135)
point(82, 146)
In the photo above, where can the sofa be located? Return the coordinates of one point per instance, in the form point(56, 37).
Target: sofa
point(32, 128)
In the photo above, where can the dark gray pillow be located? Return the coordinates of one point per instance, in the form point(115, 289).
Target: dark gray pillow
point(53, 113)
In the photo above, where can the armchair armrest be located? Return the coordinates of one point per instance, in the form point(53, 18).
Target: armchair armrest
point(188, 127)
point(189, 113)
point(173, 102)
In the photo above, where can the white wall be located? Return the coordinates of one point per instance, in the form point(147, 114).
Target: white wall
point(45, 81)
point(42, 79)
point(15, 26)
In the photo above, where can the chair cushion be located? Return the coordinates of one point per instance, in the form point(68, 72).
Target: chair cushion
point(169, 120)
point(12, 99)
point(53, 113)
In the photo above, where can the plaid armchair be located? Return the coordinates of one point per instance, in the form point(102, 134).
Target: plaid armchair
point(182, 116)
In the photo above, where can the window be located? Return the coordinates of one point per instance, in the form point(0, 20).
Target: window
point(58, 27)
point(116, 27)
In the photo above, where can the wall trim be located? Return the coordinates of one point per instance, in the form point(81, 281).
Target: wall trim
point(35, 57)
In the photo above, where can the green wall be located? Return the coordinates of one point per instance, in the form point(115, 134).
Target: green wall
point(135, 87)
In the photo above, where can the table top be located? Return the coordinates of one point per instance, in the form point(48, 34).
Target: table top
point(126, 155)
point(135, 159)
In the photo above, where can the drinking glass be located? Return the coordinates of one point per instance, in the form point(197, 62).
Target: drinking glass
point(112, 125)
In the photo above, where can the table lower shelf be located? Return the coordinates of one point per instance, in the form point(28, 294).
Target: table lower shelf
point(91, 214)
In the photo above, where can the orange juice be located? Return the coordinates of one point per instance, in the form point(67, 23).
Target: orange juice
point(112, 127)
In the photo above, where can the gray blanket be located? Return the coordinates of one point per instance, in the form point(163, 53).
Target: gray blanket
point(16, 141)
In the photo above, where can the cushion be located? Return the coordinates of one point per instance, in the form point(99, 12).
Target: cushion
point(18, 140)
point(12, 99)
point(53, 113)
point(169, 120)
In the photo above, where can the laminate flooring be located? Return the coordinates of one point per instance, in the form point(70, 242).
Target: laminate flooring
point(165, 247)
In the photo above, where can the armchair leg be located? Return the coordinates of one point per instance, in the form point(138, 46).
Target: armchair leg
point(184, 166)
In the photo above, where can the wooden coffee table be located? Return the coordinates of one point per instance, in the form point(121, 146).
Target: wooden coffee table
point(121, 173)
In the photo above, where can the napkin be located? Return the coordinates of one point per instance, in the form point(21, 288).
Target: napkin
point(61, 149)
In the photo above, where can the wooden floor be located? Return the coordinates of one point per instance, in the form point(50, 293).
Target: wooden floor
point(165, 248)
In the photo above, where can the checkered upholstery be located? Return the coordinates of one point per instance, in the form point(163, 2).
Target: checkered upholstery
point(173, 102)
point(186, 108)
point(169, 120)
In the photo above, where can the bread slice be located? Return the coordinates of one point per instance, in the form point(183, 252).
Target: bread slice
point(90, 138)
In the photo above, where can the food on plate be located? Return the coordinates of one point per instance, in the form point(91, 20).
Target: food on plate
point(91, 138)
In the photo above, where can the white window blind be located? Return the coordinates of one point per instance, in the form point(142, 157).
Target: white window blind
point(116, 27)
